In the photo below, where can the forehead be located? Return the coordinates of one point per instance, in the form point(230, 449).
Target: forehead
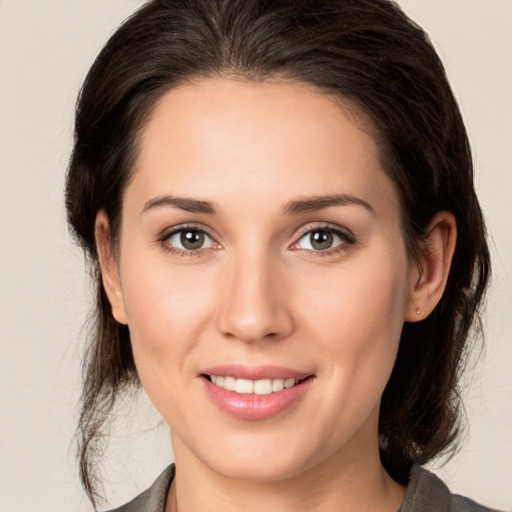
point(221, 138)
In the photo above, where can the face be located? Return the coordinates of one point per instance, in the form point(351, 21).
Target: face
point(263, 274)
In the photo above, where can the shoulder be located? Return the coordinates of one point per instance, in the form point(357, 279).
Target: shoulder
point(427, 493)
point(152, 499)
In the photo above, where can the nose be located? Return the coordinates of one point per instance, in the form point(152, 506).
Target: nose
point(254, 301)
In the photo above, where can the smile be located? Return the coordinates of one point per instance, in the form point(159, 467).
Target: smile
point(256, 387)
point(255, 393)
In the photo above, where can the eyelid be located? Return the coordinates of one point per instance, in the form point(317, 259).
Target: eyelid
point(335, 228)
point(344, 233)
point(167, 232)
point(163, 237)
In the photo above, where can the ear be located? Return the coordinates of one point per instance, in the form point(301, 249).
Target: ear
point(431, 273)
point(109, 268)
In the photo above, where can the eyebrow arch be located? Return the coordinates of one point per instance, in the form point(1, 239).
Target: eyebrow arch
point(315, 203)
point(183, 203)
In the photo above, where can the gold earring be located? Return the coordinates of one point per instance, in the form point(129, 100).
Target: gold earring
point(418, 311)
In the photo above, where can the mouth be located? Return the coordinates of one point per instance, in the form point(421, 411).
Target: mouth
point(253, 387)
point(256, 393)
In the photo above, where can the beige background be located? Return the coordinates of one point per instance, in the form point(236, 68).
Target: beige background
point(46, 48)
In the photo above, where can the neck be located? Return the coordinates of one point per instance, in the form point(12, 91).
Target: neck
point(341, 483)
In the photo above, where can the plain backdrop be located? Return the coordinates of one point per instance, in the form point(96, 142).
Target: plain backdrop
point(46, 48)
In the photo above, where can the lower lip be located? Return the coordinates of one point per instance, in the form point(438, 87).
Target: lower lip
point(256, 407)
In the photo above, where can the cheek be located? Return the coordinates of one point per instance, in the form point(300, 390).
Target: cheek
point(166, 308)
point(356, 313)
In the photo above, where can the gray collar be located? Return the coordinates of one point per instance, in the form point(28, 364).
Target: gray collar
point(425, 493)
point(153, 499)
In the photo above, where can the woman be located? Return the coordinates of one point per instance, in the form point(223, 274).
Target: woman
point(278, 201)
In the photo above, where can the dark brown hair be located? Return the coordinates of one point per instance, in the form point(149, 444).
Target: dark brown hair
point(366, 51)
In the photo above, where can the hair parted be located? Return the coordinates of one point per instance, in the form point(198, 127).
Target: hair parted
point(366, 51)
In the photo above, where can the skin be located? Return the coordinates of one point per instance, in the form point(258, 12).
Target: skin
point(257, 292)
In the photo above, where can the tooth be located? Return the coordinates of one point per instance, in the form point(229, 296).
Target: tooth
point(288, 383)
point(229, 383)
point(263, 387)
point(244, 386)
point(277, 385)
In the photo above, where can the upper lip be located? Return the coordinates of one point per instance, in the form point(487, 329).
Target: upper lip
point(241, 371)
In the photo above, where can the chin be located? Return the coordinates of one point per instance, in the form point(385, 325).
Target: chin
point(261, 456)
point(258, 469)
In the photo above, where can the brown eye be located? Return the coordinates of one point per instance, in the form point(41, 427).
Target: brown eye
point(192, 239)
point(189, 240)
point(321, 240)
point(324, 239)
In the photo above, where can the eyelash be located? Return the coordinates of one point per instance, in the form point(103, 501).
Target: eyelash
point(347, 238)
point(163, 240)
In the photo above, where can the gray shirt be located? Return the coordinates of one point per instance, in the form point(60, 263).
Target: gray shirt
point(425, 493)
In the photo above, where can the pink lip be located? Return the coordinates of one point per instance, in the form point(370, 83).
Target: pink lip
point(240, 371)
point(250, 406)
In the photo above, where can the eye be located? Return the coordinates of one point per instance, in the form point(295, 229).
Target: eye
point(323, 239)
point(188, 239)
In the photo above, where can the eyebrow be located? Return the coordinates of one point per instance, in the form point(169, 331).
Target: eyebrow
point(315, 203)
point(295, 207)
point(183, 203)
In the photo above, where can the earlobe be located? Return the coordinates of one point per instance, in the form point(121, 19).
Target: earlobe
point(108, 266)
point(433, 267)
